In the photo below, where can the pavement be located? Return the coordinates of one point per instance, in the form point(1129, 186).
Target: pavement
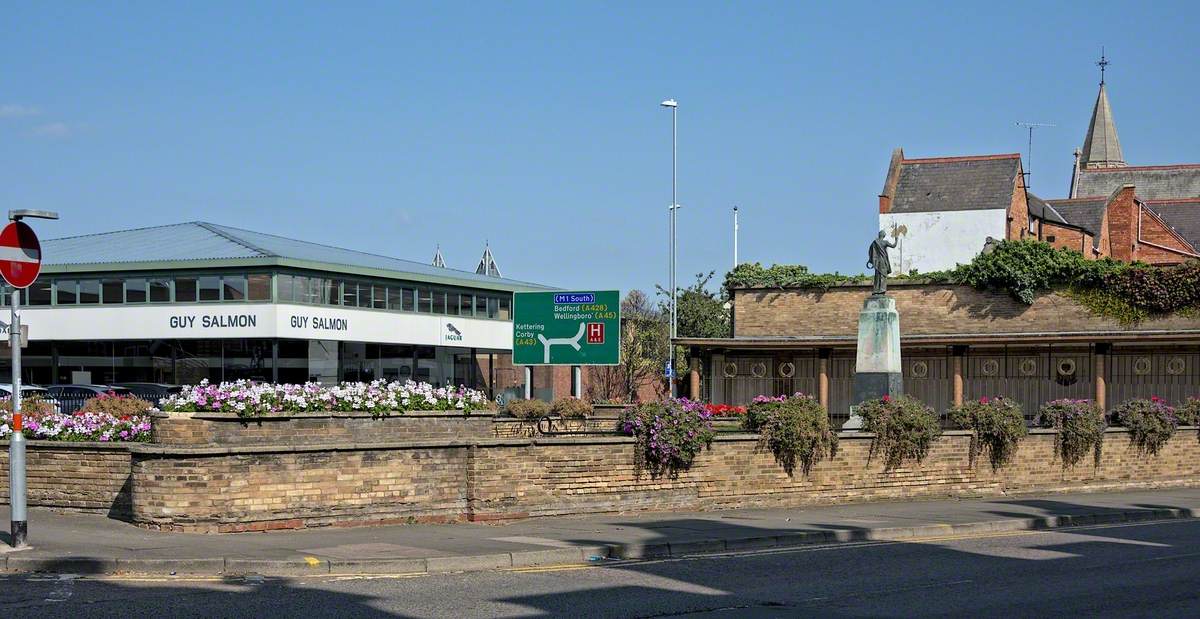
point(75, 543)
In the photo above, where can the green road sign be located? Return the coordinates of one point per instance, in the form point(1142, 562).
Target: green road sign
point(567, 328)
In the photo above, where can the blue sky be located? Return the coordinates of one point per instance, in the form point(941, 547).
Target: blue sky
point(390, 127)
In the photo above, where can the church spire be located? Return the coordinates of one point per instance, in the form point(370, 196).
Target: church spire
point(1101, 147)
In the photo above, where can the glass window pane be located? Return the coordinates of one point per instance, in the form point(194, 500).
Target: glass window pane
point(66, 292)
point(493, 307)
point(393, 298)
point(301, 292)
point(378, 297)
point(480, 306)
point(258, 287)
point(466, 304)
point(38, 293)
point(114, 291)
point(185, 289)
point(331, 291)
point(410, 303)
point(349, 294)
point(160, 290)
point(452, 303)
point(234, 287)
point(89, 291)
point(135, 290)
point(505, 308)
point(424, 300)
point(285, 283)
point(210, 288)
point(439, 302)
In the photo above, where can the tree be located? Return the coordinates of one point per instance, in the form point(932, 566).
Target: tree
point(701, 313)
point(644, 342)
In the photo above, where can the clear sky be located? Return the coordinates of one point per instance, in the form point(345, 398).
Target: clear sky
point(391, 127)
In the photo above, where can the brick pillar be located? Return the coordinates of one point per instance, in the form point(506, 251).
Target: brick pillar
point(956, 369)
point(823, 377)
point(1101, 363)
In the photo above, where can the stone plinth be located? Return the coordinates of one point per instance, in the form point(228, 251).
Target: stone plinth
point(877, 366)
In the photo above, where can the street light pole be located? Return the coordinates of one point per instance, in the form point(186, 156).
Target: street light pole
point(735, 235)
point(674, 208)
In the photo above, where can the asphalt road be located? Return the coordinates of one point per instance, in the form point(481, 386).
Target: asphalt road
point(1145, 570)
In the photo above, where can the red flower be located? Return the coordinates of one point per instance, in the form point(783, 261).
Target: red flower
point(983, 400)
point(887, 398)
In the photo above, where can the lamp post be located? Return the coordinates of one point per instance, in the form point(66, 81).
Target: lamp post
point(735, 235)
point(674, 208)
point(16, 444)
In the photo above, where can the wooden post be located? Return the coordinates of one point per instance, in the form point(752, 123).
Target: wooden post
point(823, 377)
point(694, 384)
point(956, 363)
point(1102, 351)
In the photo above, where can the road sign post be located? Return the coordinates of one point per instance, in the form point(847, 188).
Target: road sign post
point(567, 328)
point(20, 264)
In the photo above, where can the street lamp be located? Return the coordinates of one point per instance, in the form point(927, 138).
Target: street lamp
point(674, 107)
point(16, 442)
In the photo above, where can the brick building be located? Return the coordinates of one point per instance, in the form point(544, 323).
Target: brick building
point(944, 209)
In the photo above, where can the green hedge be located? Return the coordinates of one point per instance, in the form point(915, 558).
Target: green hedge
point(1128, 292)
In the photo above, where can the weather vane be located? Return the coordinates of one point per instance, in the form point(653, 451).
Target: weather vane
point(1103, 63)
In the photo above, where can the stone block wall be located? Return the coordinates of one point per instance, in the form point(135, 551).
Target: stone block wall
point(90, 477)
point(228, 429)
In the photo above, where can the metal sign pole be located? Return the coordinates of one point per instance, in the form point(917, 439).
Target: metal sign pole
point(16, 443)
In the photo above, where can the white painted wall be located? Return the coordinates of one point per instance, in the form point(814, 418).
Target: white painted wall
point(939, 240)
point(227, 320)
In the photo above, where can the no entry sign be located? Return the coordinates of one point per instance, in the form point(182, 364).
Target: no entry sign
point(20, 255)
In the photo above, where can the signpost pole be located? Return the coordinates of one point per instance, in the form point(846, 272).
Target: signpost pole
point(528, 382)
point(16, 443)
point(577, 381)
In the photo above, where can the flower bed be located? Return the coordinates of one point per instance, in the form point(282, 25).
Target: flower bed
point(669, 434)
point(79, 427)
point(379, 398)
point(1151, 423)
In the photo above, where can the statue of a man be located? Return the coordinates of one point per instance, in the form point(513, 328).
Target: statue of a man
point(877, 258)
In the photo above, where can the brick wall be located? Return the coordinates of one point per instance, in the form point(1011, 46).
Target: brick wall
point(259, 488)
point(925, 309)
point(75, 476)
point(1154, 231)
point(313, 428)
point(1068, 238)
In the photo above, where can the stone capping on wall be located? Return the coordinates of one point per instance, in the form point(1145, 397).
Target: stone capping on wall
point(82, 445)
point(210, 416)
point(865, 284)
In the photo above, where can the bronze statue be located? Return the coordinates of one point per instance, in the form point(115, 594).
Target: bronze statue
point(877, 258)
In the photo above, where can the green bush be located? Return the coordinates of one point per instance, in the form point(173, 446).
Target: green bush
point(571, 408)
point(904, 428)
point(759, 409)
point(797, 430)
point(1151, 423)
point(996, 425)
point(1188, 413)
point(527, 409)
point(1026, 268)
point(1080, 425)
point(669, 435)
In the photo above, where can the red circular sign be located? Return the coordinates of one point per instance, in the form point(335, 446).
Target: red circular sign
point(20, 255)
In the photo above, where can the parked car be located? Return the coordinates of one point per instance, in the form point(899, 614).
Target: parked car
point(71, 397)
point(30, 391)
point(151, 392)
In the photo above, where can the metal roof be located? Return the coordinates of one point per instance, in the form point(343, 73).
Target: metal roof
point(201, 245)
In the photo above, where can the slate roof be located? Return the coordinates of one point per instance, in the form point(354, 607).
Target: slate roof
point(956, 183)
point(1152, 182)
point(1183, 215)
point(1044, 210)
point(1101, 147)
point(1087, 213)
point(199, 244)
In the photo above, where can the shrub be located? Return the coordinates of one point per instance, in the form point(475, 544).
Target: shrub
point(1080, 425)
point(762, 406)
point(996, 425)
point(30, 406)
point(1151, 423)
point(669, 435)
point(571, 408)
point(1188, 413)
point(904, 428)
point(797, 431)
point(527, 409)
point(116, 405)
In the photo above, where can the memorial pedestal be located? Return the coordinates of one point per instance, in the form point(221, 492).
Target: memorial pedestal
point(877, 367)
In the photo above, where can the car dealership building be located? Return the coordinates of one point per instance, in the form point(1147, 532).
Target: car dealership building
point(180, 303)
